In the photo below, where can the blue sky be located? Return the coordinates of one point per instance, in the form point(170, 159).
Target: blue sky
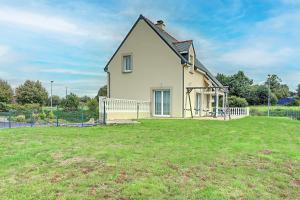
point(71, 41)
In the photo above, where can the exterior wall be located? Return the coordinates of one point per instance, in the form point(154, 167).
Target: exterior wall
point(195, 79)
point(155, 66)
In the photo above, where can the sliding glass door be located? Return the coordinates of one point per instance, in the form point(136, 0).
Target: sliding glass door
point(162, 101)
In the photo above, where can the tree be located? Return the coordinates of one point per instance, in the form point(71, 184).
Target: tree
point(102, 92)
point(55, 100)
point(70, 103)
point(6, 92)
point(280, 90)
point(235, 101)
point(239, 84)
point(298, 90)
point(295, 102)
point(223, 79)
point(31, 92)
point(85, 99)
point(258, 95)
point(93, 105)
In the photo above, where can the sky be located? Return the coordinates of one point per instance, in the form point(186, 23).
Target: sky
point(71, 41)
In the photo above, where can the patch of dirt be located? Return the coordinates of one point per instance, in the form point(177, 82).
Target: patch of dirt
point(57, 155)
point(266, 152)
point(172, 166)
point(122, 177)
point(93, 190)
point(58, 194)
point(203, 178)
point(106, 196)
point(56, 178)
point(75, 160)
point(297, 182)
point(87, 170)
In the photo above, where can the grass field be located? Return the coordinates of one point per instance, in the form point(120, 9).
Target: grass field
point(251, 158)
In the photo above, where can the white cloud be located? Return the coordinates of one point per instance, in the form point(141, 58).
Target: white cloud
point(40, 21)
point(254, 57)
point(70, 72)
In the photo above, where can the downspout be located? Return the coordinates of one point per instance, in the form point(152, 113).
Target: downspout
point(183, 111)
point(108, 84)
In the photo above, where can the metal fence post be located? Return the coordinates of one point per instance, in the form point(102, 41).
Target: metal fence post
point(104, 113)
point(81, 118)
point(31, 119)
point(9, 119)
point(57, 119)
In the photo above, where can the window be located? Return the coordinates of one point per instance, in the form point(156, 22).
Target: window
point(127, 63)
point(162, 102)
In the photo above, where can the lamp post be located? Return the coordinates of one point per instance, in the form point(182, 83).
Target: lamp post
point(51, 95)
point(269, 93)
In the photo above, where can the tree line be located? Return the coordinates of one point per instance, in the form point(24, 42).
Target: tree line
point(242, 90)
point(32, 95)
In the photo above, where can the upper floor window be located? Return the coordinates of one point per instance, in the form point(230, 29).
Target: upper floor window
point(127, 63)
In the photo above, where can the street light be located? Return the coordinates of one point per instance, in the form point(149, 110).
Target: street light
point(269, 93)
point(51, 95)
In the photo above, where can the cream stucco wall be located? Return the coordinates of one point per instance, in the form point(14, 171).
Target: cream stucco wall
point(195, 79)
point(155, 66)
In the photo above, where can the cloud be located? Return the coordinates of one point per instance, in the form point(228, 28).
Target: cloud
point(39, 21)
point(70, 72)
point(254, 57)
point(7, 56)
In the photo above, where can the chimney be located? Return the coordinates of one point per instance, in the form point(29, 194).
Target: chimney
point(160, 24)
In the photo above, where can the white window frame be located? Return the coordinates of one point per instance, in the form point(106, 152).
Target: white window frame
point(123, 63)
point(162, 105)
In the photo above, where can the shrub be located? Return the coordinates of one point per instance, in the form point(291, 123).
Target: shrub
point(51, 115)
point(42, 115)
point(295, 102)
point(20, 118)
point(35, 117)
point(93, 105)
point(235, 101)
point(26, 107)
point(256, 112)
point(71, 102)
point(3, 107)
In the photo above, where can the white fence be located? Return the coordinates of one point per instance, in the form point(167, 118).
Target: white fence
point(239, 111)
point(122, 109)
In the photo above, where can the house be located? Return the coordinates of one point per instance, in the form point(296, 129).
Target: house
point(151, 65)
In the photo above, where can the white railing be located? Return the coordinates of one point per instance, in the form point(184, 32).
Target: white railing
point(117, 109)
point(125, 105)
point(239, 111)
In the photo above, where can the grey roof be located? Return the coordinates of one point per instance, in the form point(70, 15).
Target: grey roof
point(174, 44)
point(183, 46)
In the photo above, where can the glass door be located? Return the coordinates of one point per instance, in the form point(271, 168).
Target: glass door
point(198, 104)
point(162, 102)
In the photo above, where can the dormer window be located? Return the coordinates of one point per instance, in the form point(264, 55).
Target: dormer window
point(127, 63)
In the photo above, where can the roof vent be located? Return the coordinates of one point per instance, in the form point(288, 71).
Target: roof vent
point(160, 24)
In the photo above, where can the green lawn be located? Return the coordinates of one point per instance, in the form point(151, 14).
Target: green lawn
point(251, 158)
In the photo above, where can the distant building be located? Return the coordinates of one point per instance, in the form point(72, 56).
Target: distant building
point(284, 101)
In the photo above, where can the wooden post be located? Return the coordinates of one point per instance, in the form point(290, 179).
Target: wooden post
point(191, 109)
point(216, 102)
